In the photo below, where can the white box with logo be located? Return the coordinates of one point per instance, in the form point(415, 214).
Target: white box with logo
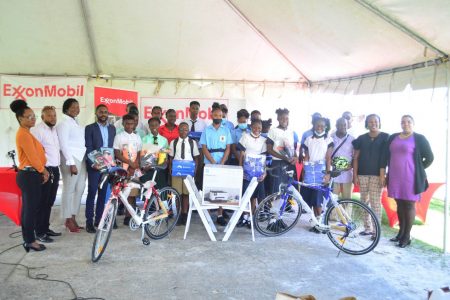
point(222, 185)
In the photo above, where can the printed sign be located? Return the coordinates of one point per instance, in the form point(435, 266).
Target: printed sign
point(180, 105)
point(115, 99)
point(41, 91)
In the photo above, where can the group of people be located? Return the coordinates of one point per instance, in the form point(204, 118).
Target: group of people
point(50, 150)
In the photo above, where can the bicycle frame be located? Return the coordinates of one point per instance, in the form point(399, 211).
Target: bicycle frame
point(329, 196)
point(121, 191)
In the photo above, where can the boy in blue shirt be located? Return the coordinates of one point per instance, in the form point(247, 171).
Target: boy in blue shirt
point(215, 142)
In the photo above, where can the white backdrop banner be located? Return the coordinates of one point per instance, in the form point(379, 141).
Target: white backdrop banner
point(42, 91)
point(181, 106)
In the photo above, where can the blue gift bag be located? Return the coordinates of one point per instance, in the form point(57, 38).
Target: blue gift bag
point(183, 167)
point(313, 172)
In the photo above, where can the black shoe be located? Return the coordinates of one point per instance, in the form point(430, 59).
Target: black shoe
point(404, 244)
point(395, 239)
point(44, 238)
point(225, 214)
point(27, 247)
point(182, 220)
point(52, 233)
point(221, 221)
point(314, 229)
point(90, 228)
point(126, 221)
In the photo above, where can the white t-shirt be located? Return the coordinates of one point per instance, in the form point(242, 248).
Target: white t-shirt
point(317, 147)
point(128, 144)
point(283, 140)
point(187, 149)
point(253, 145)
point(199, 124)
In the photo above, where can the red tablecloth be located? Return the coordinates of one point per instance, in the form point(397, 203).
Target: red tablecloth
point(10, 195)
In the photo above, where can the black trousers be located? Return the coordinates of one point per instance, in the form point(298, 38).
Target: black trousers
point(48, 196)
point(30, 183)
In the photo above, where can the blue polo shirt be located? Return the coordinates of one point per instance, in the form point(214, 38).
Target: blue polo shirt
point(216, 139)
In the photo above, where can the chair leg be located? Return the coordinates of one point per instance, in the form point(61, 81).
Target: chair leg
point(251, 222)
point(188, 222)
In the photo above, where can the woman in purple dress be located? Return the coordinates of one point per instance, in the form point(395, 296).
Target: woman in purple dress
point(408, 154)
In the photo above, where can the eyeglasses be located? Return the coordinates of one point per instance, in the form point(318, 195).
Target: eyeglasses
point(30, 117)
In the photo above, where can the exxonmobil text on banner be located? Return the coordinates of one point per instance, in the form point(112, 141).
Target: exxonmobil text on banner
point(41, 91)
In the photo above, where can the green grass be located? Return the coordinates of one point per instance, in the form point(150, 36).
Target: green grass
point(437, 205)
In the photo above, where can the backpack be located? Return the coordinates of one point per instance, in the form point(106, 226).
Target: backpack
point(191, 144)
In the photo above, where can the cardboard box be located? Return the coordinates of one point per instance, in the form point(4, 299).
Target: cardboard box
point(222, 185)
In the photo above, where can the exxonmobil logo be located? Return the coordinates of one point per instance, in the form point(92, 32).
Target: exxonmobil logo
point(46, 91)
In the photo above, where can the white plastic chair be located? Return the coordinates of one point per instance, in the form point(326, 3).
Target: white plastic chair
point(245, 206)
point(195, 199)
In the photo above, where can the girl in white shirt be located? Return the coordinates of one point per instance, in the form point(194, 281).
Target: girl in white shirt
point(318, 147)
point(252, 143)
point(280, 144)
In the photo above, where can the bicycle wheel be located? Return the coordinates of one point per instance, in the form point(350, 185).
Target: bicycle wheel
point(345, 233)
point(103, 234)
point(269, 220)
point(157, 229)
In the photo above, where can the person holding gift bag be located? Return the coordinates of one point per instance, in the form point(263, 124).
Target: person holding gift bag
point(253, 159)
point(182, 150)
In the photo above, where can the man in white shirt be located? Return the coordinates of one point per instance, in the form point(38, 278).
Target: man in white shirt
point(45, 133)
point(196, 127)
point(194, 122)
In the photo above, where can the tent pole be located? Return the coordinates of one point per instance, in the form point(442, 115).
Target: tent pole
point(447, 175)
point(265, 38)
point(89, 36)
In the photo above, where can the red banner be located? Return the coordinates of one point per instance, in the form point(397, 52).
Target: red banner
point(115, 99)
point(390, 205)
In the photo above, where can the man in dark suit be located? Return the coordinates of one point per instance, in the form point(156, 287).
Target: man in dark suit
point(97, 135)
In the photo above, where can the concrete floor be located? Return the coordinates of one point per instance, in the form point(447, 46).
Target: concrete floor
point(299, 263)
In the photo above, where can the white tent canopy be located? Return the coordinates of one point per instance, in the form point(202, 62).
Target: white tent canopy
point(158, 47)
point(266, 40)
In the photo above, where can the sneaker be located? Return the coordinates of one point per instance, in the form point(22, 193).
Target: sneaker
point(126, 221)
point(221, 221)
point(242, 222)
